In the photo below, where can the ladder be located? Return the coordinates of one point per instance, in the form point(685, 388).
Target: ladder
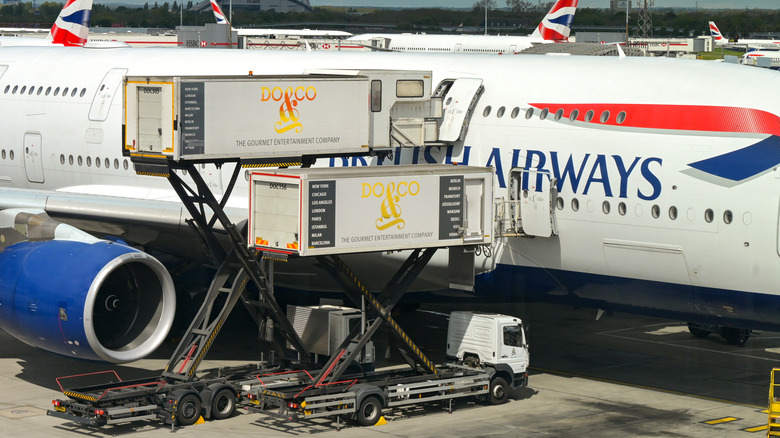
point(773, 426)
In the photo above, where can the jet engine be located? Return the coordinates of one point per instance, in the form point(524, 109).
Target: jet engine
point(67, 292)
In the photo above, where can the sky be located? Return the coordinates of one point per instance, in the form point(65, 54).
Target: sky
point(719, 4)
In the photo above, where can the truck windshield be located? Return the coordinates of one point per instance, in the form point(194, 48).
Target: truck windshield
point(513, 335)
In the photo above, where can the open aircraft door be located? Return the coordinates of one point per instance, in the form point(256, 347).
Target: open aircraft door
point(459, 101)
point(530, 211)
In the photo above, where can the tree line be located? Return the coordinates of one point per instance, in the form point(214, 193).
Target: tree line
point(515, 17)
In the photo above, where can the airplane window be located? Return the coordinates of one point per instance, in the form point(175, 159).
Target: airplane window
point(605, 207)
point(32, 90)
point(16, 87)
point(2, 154)
point(672, 212)
point(622, 208)
point(80, 161)
point(529, 113)
point(500, 112)
point(107, 163)
point(709, 215)
point(575, 204)
point(515, 112)
point(40, 90)
point(559, 203)
point(11, 155)
point(728, 216)
point(65, 92)
point(89, 161)
point(73, 93)
point(24, 88)
point(62, 159)
point(7, 87)
point(621, 117)
point(589, 116)
point(48, 90)
point(486, 112)
point(543, 114)
point(102, 86)
point(604, 117)
point(97, 161)
point(57, 91)
point(559, 114)
point(83, 92)
point(70, 159)
point(656, 211)
point(124, 164)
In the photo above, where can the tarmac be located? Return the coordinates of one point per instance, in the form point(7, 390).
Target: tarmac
point(621, 376)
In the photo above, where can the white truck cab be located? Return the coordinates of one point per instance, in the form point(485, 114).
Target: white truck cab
point(489, 339)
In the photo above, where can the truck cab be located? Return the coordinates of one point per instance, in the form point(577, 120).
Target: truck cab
point(491, 340)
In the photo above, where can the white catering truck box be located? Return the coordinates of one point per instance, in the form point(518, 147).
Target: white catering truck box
point(319, 211)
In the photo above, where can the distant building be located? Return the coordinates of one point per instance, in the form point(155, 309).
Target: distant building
point(619, 5)
point(257, 5)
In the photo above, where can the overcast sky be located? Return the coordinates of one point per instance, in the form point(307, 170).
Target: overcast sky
point(726, 4)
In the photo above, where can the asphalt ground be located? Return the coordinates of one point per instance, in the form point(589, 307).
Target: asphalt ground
point(620, 376)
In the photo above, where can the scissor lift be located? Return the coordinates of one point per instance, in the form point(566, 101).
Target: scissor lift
point(179, 395)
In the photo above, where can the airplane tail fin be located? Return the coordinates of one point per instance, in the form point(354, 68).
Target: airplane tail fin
point(72, 25)
point(716, 35)
point(556, 25)
point(218, 14)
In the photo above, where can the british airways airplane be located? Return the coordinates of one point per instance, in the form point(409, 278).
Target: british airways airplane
point(70, 29)
point(667, 194)
point(743, 43)
point(554, 27)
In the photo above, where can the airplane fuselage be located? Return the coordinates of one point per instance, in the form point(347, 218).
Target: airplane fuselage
point(666, 169)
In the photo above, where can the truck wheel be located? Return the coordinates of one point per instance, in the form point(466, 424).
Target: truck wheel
point(188, 410)
point(223, 404)
point(370, 411)
point(499, 391)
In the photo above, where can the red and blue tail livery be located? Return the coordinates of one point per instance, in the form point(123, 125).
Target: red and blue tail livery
point(72, 25)
point(716, 35)
point(218, 14)
point(556, 25)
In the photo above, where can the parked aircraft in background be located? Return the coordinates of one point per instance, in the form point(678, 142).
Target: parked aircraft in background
point(221, 18)
point(555, 27)
point(664, 199)
point(70, 29)
point(762, 58)
point(742, 43)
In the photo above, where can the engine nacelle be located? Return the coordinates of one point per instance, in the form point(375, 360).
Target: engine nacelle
point(89, 299)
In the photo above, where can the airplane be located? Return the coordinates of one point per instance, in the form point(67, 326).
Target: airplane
point(554, 27)
point(664, 197)
point(742, 43)
point(70, 29)
point(771, 57)
point(220, 17)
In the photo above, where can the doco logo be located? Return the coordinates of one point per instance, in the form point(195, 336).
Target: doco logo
point(392, 193)
point(289, 98)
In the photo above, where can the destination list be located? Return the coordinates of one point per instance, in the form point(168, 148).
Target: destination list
point(192, 118)
point(322, 214)
point(450, 206)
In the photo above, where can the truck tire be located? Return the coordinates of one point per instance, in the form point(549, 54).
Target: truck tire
point(223, 404)
point(188, 410)
point(370, 411)
point(499, 391)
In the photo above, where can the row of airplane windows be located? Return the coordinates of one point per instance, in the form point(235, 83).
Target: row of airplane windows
point(655, 210)
point(444, 49)
point(606, 206)
point(603, 118)
point(29, 91)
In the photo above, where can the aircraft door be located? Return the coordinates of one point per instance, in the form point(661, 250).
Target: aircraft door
point(33, 162)
point(150, 118)
point(109, 87)
point(535, 193)
point(459, 103)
